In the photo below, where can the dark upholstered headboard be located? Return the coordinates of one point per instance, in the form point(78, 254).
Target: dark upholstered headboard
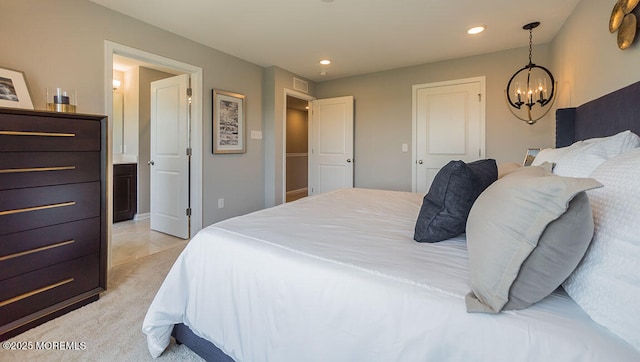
point(615, 112)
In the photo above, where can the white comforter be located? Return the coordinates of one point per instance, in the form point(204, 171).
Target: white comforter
point(338, 277)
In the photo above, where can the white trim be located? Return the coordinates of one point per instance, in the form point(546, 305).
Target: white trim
point(144, 216)
point(197, 146)
point(298, 191)
point(296, 94)
point(303, 192)
point(414, 121)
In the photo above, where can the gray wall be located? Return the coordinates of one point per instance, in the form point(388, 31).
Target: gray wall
point(383, 117)
point(584, 58)
point(587, 58)
point(61, 43)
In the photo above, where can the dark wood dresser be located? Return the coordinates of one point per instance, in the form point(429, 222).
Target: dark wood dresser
point(53, 245)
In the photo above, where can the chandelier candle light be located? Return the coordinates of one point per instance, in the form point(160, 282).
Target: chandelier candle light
point(529, 88)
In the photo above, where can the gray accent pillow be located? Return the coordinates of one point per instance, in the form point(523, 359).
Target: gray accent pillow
point(446, 206)
point(525, 235)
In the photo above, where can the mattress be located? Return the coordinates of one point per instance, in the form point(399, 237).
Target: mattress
point(338, 277)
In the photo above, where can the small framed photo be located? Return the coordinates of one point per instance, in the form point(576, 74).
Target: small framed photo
point(228, 122)
point(13, 90)
point(530, 156)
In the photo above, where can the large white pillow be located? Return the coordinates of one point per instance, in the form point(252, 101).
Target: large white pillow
point(581, 161)
point(552, 155)
point(606, 284)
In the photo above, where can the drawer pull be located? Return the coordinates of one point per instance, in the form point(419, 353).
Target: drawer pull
point(37, 169)
point(42, 134)
point(36, 250)
point(34, 292)
point(36, 208)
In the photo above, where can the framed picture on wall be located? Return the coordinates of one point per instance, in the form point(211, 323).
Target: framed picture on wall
point(228, 122)
point(13, 90)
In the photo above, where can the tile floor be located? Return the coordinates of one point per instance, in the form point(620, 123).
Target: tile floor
point(134, 239)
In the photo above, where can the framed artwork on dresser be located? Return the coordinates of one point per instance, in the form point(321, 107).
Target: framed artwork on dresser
point(13, 90)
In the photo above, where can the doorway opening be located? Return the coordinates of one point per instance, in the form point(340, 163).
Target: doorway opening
point(296, 145)
point(131, 71)
point(297, 149)
point(330, 126)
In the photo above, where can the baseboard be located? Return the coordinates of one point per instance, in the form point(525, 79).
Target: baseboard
point(297, 194)
point(142, 216)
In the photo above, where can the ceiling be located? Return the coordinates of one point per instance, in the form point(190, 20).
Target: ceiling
point(359, 36)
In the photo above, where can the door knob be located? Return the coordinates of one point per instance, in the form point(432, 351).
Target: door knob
point(420, 162)
point(348, 160)
point(151, 163)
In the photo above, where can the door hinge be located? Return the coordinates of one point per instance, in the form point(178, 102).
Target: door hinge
point(189, 150)
point(189, 92)
point(479, 152)
point(189, 212)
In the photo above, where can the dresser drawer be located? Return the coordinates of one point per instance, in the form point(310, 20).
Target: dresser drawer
point(29, 169)
point(31, 292)
point(24, 209)
point(37, 248)
point(43, 133)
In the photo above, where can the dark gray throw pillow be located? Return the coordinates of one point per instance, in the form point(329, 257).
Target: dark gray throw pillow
point(445, 208)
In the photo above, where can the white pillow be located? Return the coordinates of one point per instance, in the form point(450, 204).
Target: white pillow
point(582, 160)
point(606, 284)
point(552, 155)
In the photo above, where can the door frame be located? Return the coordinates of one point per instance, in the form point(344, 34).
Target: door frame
point(308, 98)
point(414, 118)
point(196, 74)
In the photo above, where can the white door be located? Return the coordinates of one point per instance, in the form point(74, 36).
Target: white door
point(331, 150)
point(169, 157)
point(448, 125)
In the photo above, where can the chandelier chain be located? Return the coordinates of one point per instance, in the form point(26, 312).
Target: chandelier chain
point(530, 44)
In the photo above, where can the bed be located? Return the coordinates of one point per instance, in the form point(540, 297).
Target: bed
point(339, 277)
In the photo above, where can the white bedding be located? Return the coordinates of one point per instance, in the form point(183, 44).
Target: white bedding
point(338, 277)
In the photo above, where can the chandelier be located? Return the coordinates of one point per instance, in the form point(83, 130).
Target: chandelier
point(528, 92)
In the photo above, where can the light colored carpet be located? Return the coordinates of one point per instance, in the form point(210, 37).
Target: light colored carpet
point(111, 327)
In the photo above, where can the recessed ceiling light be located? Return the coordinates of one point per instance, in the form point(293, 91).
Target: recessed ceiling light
point(325, 62)
point(476, 30)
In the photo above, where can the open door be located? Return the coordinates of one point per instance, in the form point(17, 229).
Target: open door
point(331, 149)
point(170, 156)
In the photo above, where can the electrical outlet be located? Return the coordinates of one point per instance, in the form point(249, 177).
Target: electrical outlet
point(405, 147)
point(220, 203)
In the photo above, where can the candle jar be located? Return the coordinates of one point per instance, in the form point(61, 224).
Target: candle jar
point(61, 100)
